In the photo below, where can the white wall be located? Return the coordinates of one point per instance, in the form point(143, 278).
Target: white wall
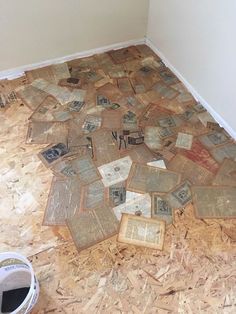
point(199, 39)
point(32, 31)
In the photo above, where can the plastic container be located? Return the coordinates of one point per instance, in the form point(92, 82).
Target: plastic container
point(17, 272)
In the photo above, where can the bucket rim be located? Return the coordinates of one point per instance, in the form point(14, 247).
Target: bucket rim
point(7, 255)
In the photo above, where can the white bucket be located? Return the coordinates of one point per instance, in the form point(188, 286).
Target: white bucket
point(16, 272)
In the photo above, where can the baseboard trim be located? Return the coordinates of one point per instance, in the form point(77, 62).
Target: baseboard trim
point(19, 71)
point(192, 90)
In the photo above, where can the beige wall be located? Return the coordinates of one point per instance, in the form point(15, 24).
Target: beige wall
point(199, 40)
point(32, 31)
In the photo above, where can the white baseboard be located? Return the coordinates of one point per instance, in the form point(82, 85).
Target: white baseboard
point(19, 71)
point(192, 90)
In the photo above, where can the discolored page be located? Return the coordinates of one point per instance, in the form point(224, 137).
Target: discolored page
point(105, 147)
point(152, 113)
point(124, 85)
point(214, 139)
point(180, 196)
point(190, 170)
point(224, 151)
point(71, 82)
point(110, 91)
point(184, 141)
point(45, 73)
point(111, 119)
point(214, 201)
point(91, 123)
point(81, 167)
point(115, 171)
point(168, 77)
point(31, 96)
point(129, 121)
point(138, 204)
point(145, 179)
point(117, 71)
point(92, 226)
point(51, 111)
point(117, 194)
point(142, 231)
point(53, 153)
point(204, 117)
point(62, 94)
point(201, 156)
point(46, 132)
point(93, 195)
point(139, 153)
point(226, 174)
point(63, 201)
point(121, 55)
point(135, 105)
point(161, 209)
point(52, 73)
point(165, 91)
point(152, 137)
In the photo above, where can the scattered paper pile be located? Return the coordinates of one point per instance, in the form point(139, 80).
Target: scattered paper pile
point(128, 145)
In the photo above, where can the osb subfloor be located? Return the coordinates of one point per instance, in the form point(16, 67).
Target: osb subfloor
point(195, 273)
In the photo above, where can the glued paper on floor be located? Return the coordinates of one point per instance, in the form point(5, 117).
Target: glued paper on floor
point(226, 174)
point(93, 195)
point(180, 196)
point(105, 147)
point(214, 139)
point(46, 132)
point(157, 163)
point(31, 96)
point(93, 226)
point(161, 209)
point(225, 151)
point(91, 124)
point(214, 201)
point(81, 167)
point(63, 201)
point(146, 179)
point(152, 137)
point(51, 111)
point(117, 194)
point(115, 171)
point(53, 153)
point(184, 141)
point(140, 154)
point(201, 156)
point(52, 73)
point(190, 170)
point(142, 231)
point(140, 205)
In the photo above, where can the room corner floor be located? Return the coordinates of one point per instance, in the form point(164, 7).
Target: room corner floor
point(195, 271)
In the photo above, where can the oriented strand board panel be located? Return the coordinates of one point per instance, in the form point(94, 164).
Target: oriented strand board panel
point(146, 179)
point(142, 231)
point(92, 226)
point(214, 201)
